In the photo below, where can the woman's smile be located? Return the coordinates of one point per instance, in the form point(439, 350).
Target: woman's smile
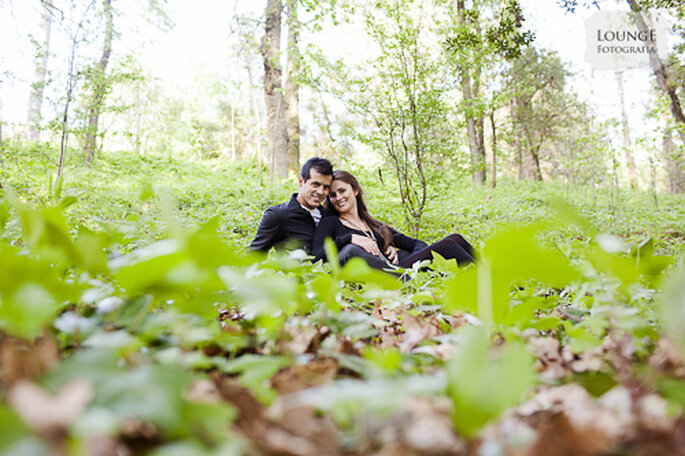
point(342, 197)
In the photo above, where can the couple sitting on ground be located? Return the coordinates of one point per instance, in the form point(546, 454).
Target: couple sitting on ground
point(330, 204)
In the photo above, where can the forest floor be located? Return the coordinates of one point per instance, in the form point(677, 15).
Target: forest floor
point(133, 320)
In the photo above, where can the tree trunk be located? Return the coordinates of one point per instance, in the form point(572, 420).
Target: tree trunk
point(661, 76)
point(292, 88)
point(627, 143)
point(99, 82)
point(233, 131)
point(516, 138)
point(532, 160)
point(139, 122)
point(275, 101)
point(474, 122)
point(674, 163)
point(529, 152)
point(39, 74)
point(71, 82)
point(493, 182)
point(256, 125)
point(2, 143)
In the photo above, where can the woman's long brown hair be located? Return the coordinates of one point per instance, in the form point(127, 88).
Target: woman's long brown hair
point(374, 224)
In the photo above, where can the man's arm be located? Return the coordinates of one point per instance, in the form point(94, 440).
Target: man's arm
point(270, 231)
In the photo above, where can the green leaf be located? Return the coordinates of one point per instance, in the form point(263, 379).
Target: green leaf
point(388, 360)
point(265, 295)
point(146, 191)
point(461, 292)
point(482, 385)
point(4, 213)
point(208, 250)
point(28, 311)
point(13, 428)
point(358, 270)
point(508, 258)
point(255, 370)
point(91, 252)
point(672, 305)
point(325, 289)
point(673, 389)
point(440, 264)
point(31, 293)
point(595, 382)
point(209, 421)
point(332, 255)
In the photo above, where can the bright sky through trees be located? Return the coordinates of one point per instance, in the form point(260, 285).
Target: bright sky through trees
point(200, 43)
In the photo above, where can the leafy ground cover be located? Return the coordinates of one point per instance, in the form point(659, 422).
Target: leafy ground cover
point(134, 322)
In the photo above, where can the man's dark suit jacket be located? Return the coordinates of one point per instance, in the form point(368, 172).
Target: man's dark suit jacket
point(286, 223)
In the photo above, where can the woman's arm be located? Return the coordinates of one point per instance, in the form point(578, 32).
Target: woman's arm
point(404, 242)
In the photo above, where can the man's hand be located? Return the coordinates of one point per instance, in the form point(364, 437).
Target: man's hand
point(367, 244)
point(391, 255)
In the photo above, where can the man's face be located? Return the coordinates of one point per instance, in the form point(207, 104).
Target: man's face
point(315, 190)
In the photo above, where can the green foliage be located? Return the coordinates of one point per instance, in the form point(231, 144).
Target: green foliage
point(481, 387)
point(506, 260)
point(148, 295)
point(401, 94)
point(505, 37)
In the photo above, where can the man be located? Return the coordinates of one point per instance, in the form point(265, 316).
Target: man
point(292, 224)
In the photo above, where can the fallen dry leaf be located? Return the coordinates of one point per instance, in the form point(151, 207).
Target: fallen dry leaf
point(439, 351)
point(416, 330)
point(550, 363)
point(106, 446)
point(296, 378)
point(21, 359)
point(296, 340)
point(47, 414)
point(668, 358)
point(559, 437)
point(609, 415)
point(203, 390)
point(590, 360)
point(430, 430)
point(300, 433)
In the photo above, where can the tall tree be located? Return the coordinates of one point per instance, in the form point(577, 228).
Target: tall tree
point(470, 70)
point(99, 86)
point(475, 43)
point(40, 70)
point(662, 76)
point(627, 143)
point(292, 87)
point(2, 143)
point(247, 50)
point(537, 81)
point(277, 132)
point(69, 95)
point(400, 93)
point(493, 128)
point(675, 171)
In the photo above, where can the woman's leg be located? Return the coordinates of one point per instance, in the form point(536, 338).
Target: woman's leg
point(352, 250)
point(463, 243)
point(448, 248)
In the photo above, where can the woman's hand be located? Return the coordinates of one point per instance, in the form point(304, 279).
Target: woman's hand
point(367, 244)
point(391, 255)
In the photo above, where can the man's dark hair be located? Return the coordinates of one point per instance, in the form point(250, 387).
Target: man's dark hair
point(321, 165)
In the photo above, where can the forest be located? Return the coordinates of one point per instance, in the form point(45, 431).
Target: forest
point(135, 320)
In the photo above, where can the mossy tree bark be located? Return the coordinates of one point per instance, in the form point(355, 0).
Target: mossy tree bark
point(100, 86)
point(273, 91)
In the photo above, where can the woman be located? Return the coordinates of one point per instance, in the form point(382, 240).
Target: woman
point(357, 234)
